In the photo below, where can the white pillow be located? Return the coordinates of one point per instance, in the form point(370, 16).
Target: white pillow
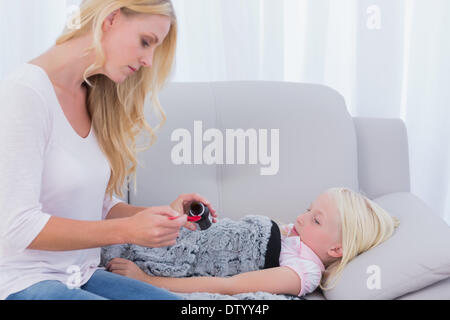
point(417, 255)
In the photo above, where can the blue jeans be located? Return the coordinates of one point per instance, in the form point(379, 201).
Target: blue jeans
point(102, 285)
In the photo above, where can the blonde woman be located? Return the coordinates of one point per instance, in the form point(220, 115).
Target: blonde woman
point(70, 118)
point(339, 225)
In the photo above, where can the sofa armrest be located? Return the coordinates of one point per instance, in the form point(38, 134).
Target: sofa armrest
point(437, 291)
point(383, 159)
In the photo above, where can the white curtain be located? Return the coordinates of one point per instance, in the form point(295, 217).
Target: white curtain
point(388, 58)
point(27, 29)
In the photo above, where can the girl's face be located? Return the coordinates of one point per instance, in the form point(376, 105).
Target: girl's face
point(131, 42)
point(320, 228)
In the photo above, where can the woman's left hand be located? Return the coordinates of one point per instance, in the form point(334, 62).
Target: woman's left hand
point(126, 268)
point(182, 200)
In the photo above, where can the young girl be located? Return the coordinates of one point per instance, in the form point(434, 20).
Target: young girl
point(339, 225)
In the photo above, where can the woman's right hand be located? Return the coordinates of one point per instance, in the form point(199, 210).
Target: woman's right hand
point(153, 228)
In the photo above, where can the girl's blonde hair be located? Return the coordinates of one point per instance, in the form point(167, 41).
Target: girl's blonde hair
point(117, 110)
point(364, 225)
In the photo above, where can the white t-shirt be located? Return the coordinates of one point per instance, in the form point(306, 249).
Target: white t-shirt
point(46, 169)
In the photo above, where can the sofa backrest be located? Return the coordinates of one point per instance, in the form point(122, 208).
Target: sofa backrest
point(316, 143)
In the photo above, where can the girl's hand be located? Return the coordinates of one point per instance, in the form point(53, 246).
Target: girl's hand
point(126, 268)
point(184, 199)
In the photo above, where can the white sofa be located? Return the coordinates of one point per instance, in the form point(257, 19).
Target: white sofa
point(320, 146)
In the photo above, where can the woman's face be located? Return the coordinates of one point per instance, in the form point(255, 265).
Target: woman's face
point(131, 42)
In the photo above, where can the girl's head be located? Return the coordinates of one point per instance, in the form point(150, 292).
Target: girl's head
point(320, 228)
point(141, 34)
point(341, 224)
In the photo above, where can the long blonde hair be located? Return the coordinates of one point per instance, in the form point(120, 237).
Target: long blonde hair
point(117, 110)
point(364, 225)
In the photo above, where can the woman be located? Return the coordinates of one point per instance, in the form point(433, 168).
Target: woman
point(66, 116)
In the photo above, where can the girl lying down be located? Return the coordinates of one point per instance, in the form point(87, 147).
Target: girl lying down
point(313, 251)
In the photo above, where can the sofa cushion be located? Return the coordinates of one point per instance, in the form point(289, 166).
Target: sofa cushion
point(317, 147)
point(159, 179)
point(415, 257)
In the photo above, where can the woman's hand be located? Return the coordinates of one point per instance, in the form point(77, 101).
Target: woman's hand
point(184, 199)
point(126, 268)
point(153, 228)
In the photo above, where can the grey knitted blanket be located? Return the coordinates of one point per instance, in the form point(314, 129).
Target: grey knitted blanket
point(227, 248)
